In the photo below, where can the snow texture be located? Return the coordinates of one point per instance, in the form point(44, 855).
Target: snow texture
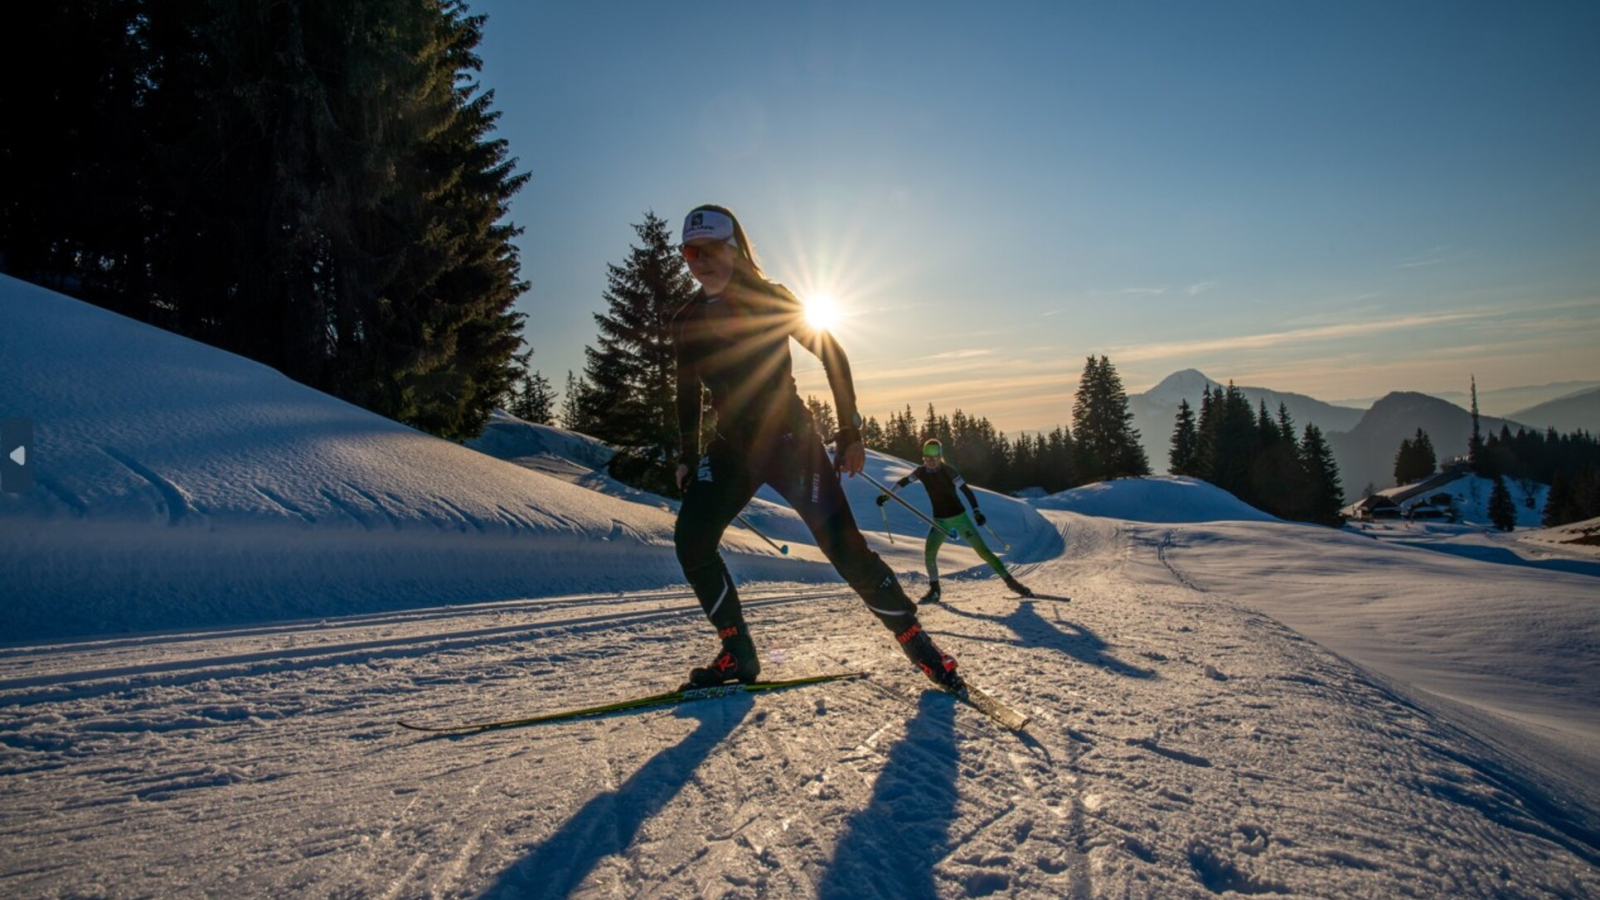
point(227, 589)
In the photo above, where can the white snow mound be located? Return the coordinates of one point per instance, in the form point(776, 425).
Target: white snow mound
point(1167, 498)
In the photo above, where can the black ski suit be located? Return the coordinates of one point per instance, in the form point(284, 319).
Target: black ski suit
point(738, 350)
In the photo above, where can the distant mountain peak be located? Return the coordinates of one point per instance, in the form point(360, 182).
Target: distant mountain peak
point(1398, 401)
point(1184, 384)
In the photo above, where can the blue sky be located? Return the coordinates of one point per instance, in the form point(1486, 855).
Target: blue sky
point(1335, 199)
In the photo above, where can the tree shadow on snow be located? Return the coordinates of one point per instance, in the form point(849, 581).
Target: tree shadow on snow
point(608, 823)
point(1069, 638)
point(1506, 557)
point(889, 849)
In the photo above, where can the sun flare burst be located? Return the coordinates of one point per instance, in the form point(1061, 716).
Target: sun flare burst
point(822, 311)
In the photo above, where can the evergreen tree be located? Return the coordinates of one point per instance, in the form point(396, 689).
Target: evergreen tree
point(902, 436)
point(1327, 495)
point(632, 372)
point(1475, 442)
point(872, 434)
point(1107, 443)
point(309, 185)
point(1556, 502)
point(1205, 450)
point(1232, 442)
point(1058, 452)
point(531, 399)
point(1427, 460)
point(1182, 458)
point(1415, 459)
point(1279, 483)
point(577, 405)
point(1502, 509)
point(825, 421)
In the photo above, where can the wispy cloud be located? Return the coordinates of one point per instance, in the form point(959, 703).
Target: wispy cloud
point(1431, 257)
point(1280, 339)
point(1195, 290)
point(962, 354)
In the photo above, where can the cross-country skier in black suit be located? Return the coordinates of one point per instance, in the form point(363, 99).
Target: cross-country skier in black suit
point(732, 340)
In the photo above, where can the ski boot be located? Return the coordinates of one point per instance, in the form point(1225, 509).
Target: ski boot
point(736, 662)
point(933, 594)
point(1018, 587)
point(940, 667)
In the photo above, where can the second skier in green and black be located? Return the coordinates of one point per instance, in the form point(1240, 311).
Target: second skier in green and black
point(942, 480)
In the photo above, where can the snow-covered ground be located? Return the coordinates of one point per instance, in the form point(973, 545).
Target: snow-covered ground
point(227, 589)
point(178, 485)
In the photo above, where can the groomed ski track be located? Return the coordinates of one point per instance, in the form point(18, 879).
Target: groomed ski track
point(1182, 746)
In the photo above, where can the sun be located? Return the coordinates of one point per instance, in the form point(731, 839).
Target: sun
point(821, 311)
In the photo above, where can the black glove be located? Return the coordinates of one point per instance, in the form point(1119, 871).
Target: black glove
point(979, 516)
point(882, 499)
point(842, 441)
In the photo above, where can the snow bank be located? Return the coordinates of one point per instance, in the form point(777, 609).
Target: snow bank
point(178, 485)
point(1157, 499)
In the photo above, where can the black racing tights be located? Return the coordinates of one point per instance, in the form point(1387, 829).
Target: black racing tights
point(797, 467)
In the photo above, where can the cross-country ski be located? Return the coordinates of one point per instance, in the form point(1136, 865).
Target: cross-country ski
point(668, 698)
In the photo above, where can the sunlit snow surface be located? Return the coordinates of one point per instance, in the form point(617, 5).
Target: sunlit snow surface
point(1223, 703)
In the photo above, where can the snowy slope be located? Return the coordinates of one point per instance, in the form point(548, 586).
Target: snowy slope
point(178, 485)
point(1222, 703)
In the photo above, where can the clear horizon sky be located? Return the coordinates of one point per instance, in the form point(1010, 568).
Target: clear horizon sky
point(1338, 200)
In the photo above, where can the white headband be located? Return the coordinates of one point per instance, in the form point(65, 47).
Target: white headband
point(707, 223)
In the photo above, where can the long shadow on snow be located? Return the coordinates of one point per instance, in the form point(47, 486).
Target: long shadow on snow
point(607, 824)
point(1505, 557)
point(889, 849)
point(1072, 639)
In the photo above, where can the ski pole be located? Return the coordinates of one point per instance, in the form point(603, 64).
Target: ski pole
point(996, 536)
point(746, 523)
point(886, 532)
point(898, 499)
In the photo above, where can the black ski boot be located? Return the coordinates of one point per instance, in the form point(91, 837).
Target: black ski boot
point(940, 667)
point(933, 594)
point(736, 662)
point(1018, 586)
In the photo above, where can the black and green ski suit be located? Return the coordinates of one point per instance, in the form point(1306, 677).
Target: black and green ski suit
point(941, 484)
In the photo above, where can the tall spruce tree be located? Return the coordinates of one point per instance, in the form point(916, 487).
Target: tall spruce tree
point(1279, 482)
point(1475, 441)
point(1107, 444)
point(1415, 459)
point(1229, 442)
point(1327, 495)
point(1183, 459)
point(632, 371)
point(1502, 509)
